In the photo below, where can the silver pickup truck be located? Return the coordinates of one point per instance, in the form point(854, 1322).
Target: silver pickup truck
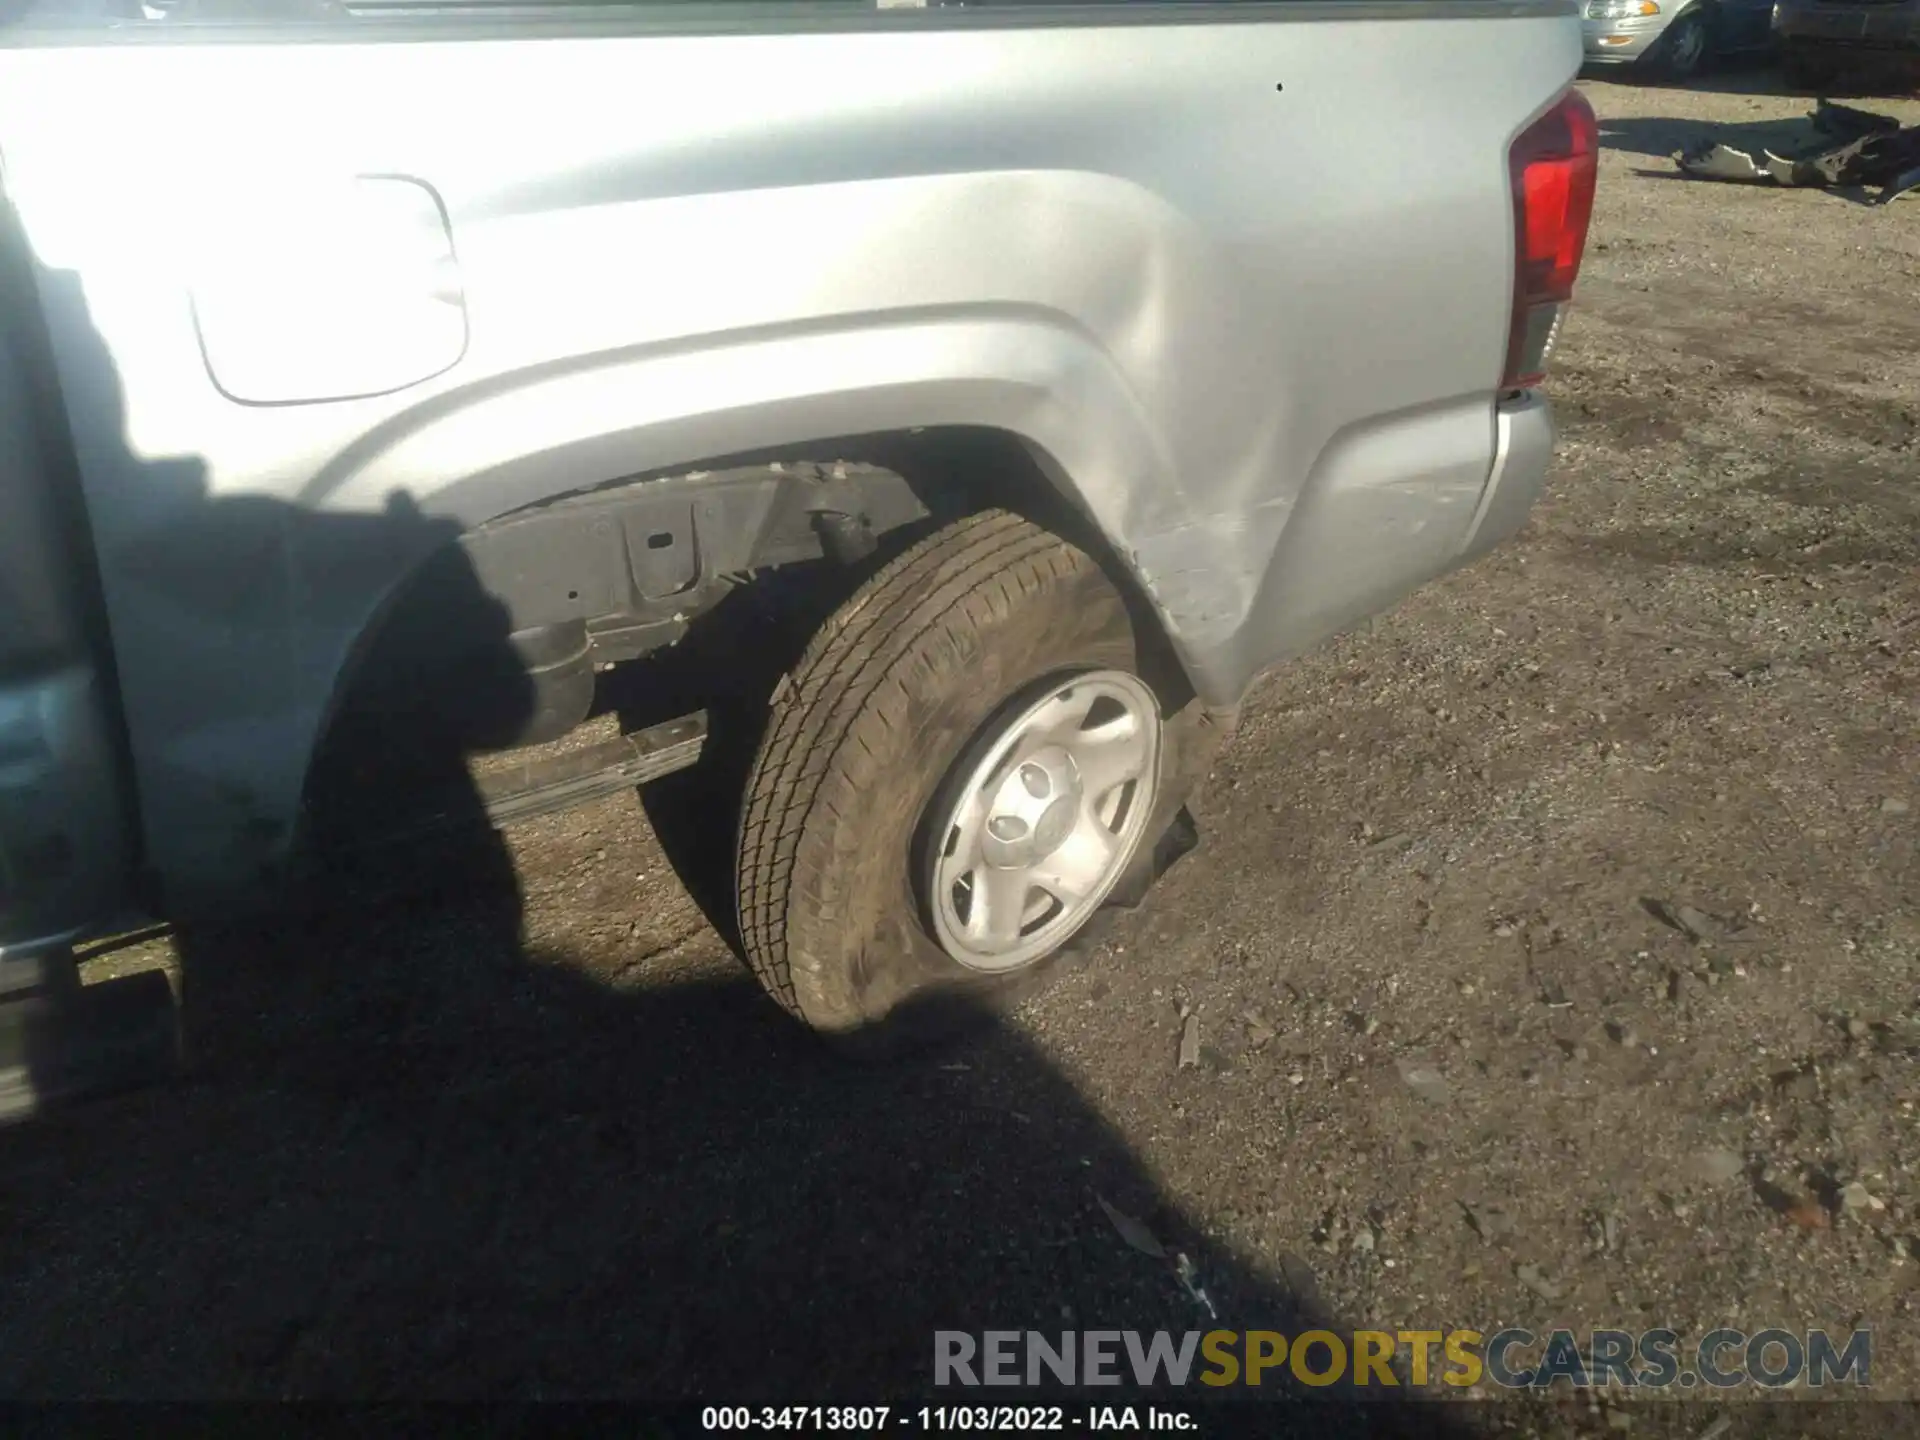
point(1075, 363)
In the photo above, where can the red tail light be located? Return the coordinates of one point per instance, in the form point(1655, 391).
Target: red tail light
point(1554, 164)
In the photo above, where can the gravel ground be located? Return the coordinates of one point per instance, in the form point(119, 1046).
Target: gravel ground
point(1552, 952)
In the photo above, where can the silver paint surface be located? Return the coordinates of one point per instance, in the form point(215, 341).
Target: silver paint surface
point(1242, 287)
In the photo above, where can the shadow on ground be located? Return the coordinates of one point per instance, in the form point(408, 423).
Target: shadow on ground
point(415, 1161)
point(412, 1159)
point(1762, 75)
point(1661, 136)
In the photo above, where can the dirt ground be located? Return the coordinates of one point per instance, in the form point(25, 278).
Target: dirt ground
point(1553, 947)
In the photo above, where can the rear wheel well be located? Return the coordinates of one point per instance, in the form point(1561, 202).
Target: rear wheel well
point(489, 644)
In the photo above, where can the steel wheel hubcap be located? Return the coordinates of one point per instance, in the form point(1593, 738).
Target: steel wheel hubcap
point(1040, 822)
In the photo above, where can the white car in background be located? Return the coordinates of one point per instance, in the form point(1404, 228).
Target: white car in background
point(1674, 38)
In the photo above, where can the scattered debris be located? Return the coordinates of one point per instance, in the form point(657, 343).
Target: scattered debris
point(1847, 147)
point(1855, 1197)
point(1553, 994)
point(1893, 805)
point(1696, 924)
point(1716, 1429)
point(1330, 1231)
point(1808, 1214)
point(1856, 1028)
point(1622, 1033)
point(1538, 1281)
point(1490, 1222)
point(1134, 1232)
point(1190, 1043)
point(1190, 1278)
point(1795, 1205)
point(1260, 1031)
point(1425, 1081)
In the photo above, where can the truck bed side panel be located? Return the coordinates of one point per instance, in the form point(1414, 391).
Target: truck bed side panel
point(1235, 276)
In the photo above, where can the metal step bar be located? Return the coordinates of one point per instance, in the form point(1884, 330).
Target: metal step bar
point(63, 1041)
point(512, 788)
point(542, 785)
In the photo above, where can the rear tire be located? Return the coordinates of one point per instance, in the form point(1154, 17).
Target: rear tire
point(835, 861)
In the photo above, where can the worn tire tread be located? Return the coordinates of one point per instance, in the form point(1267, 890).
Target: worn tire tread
point(847, 685)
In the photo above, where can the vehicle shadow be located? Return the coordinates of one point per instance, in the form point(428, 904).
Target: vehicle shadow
point(1662, 136)
point(413, 1157)
point(1762, 75)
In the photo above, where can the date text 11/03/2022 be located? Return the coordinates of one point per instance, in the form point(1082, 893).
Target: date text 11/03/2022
point(991, 1419)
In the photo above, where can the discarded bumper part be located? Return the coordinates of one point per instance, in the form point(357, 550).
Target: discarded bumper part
point(1708, 161)
point(1832, 118)
point(1860, 148)
point(1907, 184)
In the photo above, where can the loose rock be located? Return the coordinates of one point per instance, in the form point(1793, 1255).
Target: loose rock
point(1190, 1043)
point(1689, 920)
point(1538, 1281)
point(1854, 1198)
point(1715, 1167)
point(1425, 1081)
point(1489, 1222)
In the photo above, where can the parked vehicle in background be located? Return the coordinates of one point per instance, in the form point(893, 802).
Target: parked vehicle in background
point(1821, 40)
point(1077, 363)
point(1673, 38)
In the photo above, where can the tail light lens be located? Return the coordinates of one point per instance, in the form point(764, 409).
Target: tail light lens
point(1554, 164)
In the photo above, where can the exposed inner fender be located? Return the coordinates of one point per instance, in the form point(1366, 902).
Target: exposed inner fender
point(482, 459)
point(513, 619)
